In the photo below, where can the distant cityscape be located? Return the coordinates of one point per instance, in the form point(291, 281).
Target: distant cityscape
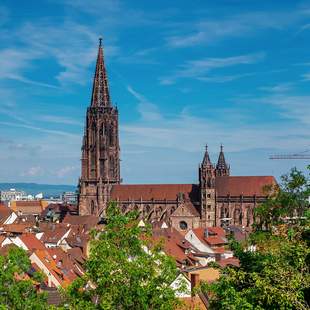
point(48, 190)
point(12, 195)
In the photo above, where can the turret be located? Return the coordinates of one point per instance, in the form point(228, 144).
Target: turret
point(222, 169)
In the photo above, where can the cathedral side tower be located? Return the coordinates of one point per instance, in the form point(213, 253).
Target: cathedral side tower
point(222, 169)
point(100, 149)
point(207, 191)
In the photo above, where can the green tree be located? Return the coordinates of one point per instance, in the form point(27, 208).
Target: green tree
point(290, 199)
point(16, 291)
point(125, 270)
point(277, 274)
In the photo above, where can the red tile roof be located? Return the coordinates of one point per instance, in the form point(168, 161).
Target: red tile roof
point(31, 242)
point(90, 221)
point(47, 259)
point(4, 213)
point(243, 185)
point(174, 244)
point(16, 228)
point(154, 191)
point(219, 231)
point(231, 261)
point(211, 240)
point(55, 234)
point(215, 240)
point(28, 206)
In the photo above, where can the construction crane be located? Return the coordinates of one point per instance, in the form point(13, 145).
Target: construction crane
point(301, 155)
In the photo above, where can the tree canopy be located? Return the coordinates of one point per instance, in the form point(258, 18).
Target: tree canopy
point(275, 275)
point(17, 290)
point(125, 270)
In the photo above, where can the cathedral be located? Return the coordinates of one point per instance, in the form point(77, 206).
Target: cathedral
point(217, 199)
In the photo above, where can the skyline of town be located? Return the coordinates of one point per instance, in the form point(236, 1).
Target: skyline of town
point(186, 83)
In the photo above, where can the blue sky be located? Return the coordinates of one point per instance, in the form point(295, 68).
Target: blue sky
point(182, 75)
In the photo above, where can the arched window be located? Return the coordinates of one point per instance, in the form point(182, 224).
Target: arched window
point(238, 216)
point(183, 225)
point(222, 212)
point(248, 216)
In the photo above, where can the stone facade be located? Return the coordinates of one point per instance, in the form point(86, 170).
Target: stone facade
point(100, 149)
point(216, 200)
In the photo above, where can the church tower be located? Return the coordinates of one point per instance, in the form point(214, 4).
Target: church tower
point(222, 169)
point(207, 191)
point(100, 149)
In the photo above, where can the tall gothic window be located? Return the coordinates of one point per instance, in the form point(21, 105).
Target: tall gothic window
point(111, 134)
point(92, 207)
point(93, 164)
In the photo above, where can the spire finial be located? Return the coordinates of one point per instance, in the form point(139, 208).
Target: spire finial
point(221, 147)
point(206, 146)
point(100, 42)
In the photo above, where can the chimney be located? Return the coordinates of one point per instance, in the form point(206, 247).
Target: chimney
point(194, 282)
point(206, 234)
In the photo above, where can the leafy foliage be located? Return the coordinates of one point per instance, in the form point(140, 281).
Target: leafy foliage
point(290, 199)
point(125, 270)
point(276, 275)
point(17, 291)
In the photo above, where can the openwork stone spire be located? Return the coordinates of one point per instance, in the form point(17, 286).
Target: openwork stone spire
point(222, 169)
point(100, 94)
point(206, 159)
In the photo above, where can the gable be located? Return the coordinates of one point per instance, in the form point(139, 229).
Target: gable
point(185, 210)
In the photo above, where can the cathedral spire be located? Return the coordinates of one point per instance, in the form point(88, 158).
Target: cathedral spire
point(206, 159)
point(222, 169)
point(100, 94)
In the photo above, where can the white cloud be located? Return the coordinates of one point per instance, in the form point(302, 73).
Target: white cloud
point(291, 107)
point(278, 88)
point(43, 130)
point(59, 120)
point(210, 31)
point(200, 69)
point(33, 172)
point(65, 171)
point(147, 110)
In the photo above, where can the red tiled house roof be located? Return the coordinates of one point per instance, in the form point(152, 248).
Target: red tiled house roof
point(5, 212)
point(31, 242)
point(174, 245)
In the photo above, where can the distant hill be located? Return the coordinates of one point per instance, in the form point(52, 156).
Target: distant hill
point(33, 188)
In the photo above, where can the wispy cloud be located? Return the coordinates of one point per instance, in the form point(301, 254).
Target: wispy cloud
point(65, 171)
point(60, 120)
point(200, 69)
point(147, 110)
point(42, 130)
point(295, 107)
point(33, 172)
point(278, 88)
point(210, 30)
